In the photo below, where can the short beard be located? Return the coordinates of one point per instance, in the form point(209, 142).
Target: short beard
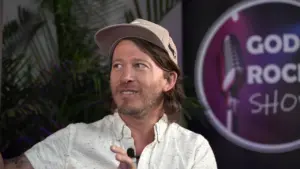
point(139, 114)
point(142, 112)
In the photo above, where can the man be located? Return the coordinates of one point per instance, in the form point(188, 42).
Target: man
point(141, 133)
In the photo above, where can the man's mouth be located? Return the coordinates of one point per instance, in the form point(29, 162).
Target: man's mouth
point(128, 92)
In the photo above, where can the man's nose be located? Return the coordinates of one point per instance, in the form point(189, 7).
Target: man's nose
point(127, 75)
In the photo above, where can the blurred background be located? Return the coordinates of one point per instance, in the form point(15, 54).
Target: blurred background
point(52, 75)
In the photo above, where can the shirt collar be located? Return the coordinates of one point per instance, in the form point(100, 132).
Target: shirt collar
point(122, 131)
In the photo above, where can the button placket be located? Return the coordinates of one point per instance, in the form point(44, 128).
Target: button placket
point(146, 157)
point(127, 140)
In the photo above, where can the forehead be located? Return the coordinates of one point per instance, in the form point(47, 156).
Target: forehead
point(127, 49)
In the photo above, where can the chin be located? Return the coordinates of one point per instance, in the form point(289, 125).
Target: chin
point(129, 109)
point(126, 103)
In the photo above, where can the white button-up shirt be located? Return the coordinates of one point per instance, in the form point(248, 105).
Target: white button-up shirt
point(87, 146)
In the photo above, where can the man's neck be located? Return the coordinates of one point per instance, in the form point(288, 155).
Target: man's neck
point(142, 125)
point(142, 129)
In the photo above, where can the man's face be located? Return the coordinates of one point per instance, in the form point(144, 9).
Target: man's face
point(137, 83)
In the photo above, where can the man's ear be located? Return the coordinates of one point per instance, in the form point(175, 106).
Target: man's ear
point(171, 78)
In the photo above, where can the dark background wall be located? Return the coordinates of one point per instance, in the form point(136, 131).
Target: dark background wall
point(198, 16)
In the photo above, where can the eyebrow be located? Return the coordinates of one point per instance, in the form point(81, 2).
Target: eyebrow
point(135, 59)
point(116, 60)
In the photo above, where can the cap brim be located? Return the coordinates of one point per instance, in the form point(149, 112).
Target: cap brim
point(105, 38)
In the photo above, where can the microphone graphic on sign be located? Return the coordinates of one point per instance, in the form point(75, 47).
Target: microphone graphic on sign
point(234, 78)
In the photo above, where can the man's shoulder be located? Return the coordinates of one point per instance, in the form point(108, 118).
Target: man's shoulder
point(193, 147)
point(185, 135)
point(103, 123)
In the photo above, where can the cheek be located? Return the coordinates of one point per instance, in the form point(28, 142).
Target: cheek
point(151, 84)
point(145, 80)
point(113, 83)
point(160, 85)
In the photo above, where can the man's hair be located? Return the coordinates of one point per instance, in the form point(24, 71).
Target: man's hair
point(173, 98)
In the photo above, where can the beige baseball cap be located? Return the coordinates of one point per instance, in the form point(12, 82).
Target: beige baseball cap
point(107, 37)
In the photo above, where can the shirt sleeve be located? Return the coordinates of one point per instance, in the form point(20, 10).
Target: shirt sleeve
point(52, 152)
point(205, 158)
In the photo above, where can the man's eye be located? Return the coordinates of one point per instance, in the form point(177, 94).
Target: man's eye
point(117, 66)
point(140, 65)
